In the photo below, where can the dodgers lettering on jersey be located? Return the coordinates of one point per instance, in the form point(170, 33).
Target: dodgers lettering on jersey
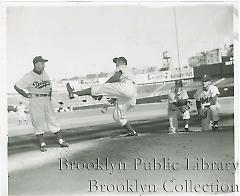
point(205, 96)
point(174, 97)
point(127, 73)
point(35, 83)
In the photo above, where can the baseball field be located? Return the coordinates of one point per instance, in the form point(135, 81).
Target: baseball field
point(101, 162)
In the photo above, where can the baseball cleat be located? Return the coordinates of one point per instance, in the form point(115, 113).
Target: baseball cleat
point(215, 128)
point(70, 91)
point(132, 134)
point(43, 148)
point(186, 129)
point(172, 130)
point(64, 144)
point(104, 109)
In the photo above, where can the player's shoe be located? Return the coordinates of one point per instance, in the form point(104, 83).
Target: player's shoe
point(43, 148)
point(104, 109)
point(70, 91)
point(64, 144)
point(215, 126)
point(186, 129)
point(172, 130)
point(132, 134)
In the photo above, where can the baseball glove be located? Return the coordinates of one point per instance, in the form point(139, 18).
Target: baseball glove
point(202, 113)
point(184, 108)
point(181, 102)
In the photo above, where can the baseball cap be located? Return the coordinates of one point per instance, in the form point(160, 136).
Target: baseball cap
point(39, 59)
point(122, 59)
point(205, 78)
point(115, 60)
point(179, 83)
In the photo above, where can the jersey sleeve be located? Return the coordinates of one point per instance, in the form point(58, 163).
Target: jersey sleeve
point(24, 82)
point(171, 98)
point(215, 91)
point(184, 94)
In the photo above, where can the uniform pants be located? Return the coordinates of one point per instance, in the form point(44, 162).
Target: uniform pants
point(212, 115)
point(173, 113)
point(42, 115)
point(125, 93)
point(22, 116)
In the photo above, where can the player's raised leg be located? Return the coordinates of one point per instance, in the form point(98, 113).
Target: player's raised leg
point(83, 92)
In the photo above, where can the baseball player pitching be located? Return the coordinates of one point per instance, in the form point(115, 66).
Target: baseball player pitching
point(21, 109)
point(121, 86)
point(178, 105)
point(112, 101)
point(36, 86)
point(207, 104)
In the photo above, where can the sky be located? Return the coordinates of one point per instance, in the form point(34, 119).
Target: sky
point(83, 39)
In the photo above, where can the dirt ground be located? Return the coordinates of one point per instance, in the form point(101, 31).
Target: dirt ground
point(155, 162)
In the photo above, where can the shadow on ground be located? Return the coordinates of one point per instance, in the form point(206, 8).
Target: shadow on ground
point(24, 143)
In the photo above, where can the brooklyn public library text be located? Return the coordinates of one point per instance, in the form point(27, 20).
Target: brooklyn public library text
point(164, 163)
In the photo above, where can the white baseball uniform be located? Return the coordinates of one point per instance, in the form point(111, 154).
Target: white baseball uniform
point(205, 97)
point(125, 91)
point(40, 106)
point(173, 110)
point(212, 110)
point(21, 109)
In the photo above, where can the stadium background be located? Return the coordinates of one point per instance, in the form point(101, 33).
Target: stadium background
point(154, 83)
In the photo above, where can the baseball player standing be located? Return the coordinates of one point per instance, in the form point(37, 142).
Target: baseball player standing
point(178, 105)
point(21, 109)
point(207, 104)
point(36, 86)
point(121, 86)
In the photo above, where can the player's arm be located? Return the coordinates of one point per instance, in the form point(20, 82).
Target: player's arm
point(213, 100)
point(182, 102)
point(115, 77)
point(22, 92)
point(172, 103)
point(196, 96)
point(198, 105)
point(215, 94)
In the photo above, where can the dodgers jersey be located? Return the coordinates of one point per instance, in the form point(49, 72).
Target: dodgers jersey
point(174, 97)
point(127, 73)
point(35, 83)
point(205, 96)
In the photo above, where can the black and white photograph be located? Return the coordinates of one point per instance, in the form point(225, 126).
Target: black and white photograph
point(121, 98)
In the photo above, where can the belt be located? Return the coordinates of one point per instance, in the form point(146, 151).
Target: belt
point(40, 95)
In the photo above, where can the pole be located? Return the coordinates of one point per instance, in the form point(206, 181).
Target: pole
point(175, 21)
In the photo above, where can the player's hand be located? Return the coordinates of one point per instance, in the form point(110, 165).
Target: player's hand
point(184, 108)
point(172, 107)
point(202, 113)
